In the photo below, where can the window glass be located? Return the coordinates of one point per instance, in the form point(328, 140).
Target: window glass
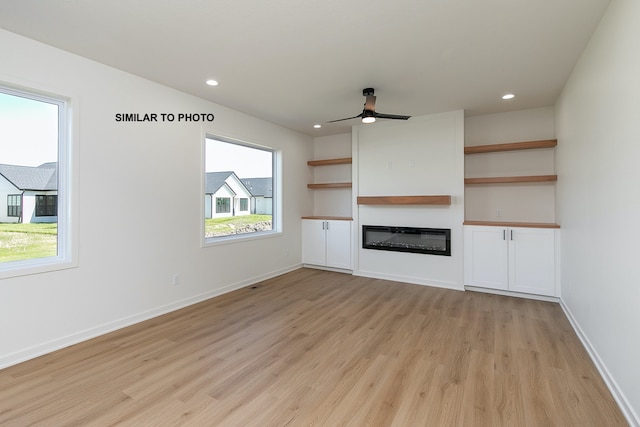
point(239, 196)
point(223, 205)
point(14, 205)
point(32, 137)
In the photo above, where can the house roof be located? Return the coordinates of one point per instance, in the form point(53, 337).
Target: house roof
point(215, 180)
point(259, 186)
point(256, 186)
point(40, 178)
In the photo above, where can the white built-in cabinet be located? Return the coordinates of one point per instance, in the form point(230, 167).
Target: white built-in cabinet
point(514, 259)
point(326, 243)
point(326, 240)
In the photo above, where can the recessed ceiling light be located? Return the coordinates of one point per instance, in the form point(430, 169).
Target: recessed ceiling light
point(508, 96)
point(317, 126)
point(212, 82)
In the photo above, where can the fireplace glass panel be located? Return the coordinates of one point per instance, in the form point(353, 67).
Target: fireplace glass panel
point(435, 241)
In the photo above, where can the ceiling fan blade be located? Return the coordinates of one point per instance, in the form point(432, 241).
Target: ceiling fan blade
point(348, 118)
point(370, 103)
point(391, 116)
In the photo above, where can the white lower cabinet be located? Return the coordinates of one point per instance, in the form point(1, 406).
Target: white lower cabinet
point(514, 259)
point(326, 243)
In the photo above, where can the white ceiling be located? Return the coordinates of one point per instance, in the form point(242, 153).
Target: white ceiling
point(300, 62)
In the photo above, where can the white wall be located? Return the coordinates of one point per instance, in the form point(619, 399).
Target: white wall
point(263, 205)
point(423, 156)
point(514, 126)
point(598, 129)
point(139, 206)
point(208, 206)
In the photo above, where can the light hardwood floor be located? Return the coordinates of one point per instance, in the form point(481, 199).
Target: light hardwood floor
point(316, 348)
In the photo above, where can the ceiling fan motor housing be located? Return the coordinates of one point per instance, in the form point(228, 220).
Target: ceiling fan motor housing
point(367, 92)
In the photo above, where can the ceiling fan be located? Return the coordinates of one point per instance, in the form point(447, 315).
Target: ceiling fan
point(369, 114)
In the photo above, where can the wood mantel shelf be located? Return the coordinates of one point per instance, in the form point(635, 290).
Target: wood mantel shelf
point(511, 179)
point(341, 161)
point(512, 146)
point(329, 218)
point(331, 185)
point(405, 200)
point(514, 224)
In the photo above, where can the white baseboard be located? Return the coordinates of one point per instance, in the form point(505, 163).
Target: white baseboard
point(511, 294)
point(78, 337)
point(408, 279)
point(322, 267)
point(618, 395)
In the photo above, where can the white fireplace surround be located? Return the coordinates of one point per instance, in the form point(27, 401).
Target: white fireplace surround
point(423, 156)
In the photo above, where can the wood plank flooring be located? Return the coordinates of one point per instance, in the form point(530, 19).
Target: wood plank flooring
point(317, 348)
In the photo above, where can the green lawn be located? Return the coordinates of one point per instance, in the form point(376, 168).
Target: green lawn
point(234, 225)
point(27, 241)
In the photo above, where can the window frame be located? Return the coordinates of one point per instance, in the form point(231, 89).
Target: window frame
point(223, 202)
point(50, 209)
point(11, 207)
point(276, 177)
point(67, 237)
point(243, 201)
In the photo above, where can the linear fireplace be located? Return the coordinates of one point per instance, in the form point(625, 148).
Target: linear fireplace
point(434, 241)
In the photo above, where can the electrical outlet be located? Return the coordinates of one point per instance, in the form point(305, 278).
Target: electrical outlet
point(176, 279)
point(498, 212)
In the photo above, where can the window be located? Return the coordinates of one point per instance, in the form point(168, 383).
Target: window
point(223, 205)
point(239, 189)
point(46, 205)
point(14, 205)
point(35, 228)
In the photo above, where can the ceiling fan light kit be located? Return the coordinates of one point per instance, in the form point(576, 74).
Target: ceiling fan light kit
point(369, 114)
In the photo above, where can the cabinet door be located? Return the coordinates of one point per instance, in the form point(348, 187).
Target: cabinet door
point(313, 242)
point(532, 261)
point(485, 257)
point(339, 244)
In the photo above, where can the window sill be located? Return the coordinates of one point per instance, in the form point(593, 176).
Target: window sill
point(34, 266)
point(237, 238)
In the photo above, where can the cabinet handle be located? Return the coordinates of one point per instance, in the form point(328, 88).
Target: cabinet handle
point(327, 224)
point(504, 234)
point(511, 234)
point(323, 223)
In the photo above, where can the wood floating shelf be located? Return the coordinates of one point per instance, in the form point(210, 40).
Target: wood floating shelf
point(330, 185)
point(511, 179)
point(512, 146)
point(341, 161)
point(329, 218)
point(405, 200)
point(514, 224)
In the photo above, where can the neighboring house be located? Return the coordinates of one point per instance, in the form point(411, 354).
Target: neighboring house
point(28, 193)
point(262, 193)
point(225, 196)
